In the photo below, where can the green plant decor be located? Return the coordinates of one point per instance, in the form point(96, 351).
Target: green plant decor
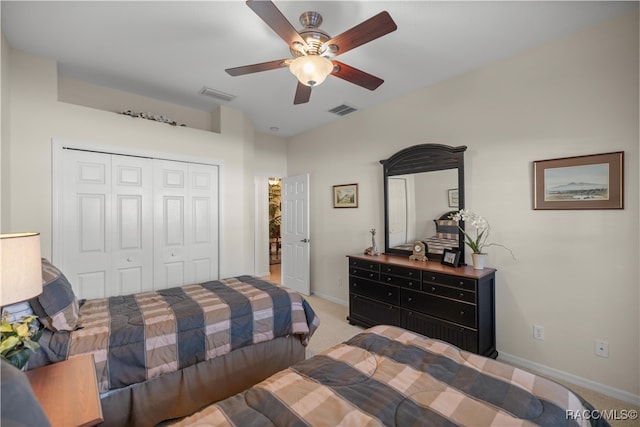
point(19, 339)
point(275, 217)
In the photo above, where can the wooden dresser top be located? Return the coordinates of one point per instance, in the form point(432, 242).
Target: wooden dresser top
point(433, 266)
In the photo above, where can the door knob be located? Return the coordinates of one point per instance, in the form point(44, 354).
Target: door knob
point(305, 240)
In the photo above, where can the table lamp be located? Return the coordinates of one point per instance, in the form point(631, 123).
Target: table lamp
point(20, 267)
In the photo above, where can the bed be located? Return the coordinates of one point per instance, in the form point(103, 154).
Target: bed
point(166, 353)
point(387, 376)
point(446, 237)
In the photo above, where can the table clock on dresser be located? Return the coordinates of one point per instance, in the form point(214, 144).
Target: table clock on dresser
point(453, 304)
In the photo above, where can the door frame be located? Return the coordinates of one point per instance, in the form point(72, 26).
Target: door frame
point(60, 144)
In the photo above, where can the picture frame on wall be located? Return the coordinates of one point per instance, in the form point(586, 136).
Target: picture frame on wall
point(582, 182)
point(451, 257)
point(453, 197)
point(345, 196)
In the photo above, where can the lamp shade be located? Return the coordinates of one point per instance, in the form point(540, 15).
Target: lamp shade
point(20, 267)
point(311, 70)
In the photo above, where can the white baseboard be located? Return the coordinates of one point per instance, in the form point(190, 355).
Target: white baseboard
point(625, 396)
point(330, 298)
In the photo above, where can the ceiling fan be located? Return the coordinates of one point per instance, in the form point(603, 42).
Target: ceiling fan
point(312, 48)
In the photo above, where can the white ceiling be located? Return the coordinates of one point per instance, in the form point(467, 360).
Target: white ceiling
point(170, 50)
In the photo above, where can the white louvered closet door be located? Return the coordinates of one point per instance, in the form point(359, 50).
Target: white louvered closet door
point(129, 224)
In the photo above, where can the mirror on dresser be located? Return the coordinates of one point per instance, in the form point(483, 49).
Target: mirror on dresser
point(420, 182)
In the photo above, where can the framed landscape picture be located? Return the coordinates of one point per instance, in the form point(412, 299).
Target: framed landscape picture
point(583, 182)
point(345, 196)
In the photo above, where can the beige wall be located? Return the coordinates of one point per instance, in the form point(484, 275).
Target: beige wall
point(4, 130)
point(36, 117)
point(576, 272)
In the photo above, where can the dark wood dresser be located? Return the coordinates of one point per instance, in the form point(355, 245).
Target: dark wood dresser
point(456, 305)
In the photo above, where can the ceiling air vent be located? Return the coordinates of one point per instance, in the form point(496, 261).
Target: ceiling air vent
point(343, 110)
point(216, 94)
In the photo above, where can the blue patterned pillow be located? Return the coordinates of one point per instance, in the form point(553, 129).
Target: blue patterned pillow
point(57, 305)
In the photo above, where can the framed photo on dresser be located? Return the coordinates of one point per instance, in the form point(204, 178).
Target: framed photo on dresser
point(451, 257)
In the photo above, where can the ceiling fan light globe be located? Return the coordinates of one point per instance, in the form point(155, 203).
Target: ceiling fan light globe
point(311, 70)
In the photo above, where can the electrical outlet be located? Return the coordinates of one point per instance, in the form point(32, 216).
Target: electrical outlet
point(538, 332)
point(602, 348)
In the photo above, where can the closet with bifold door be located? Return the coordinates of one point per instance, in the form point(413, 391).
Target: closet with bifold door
point(125, 224)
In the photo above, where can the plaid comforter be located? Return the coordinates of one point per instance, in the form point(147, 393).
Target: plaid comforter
point(387, 376)
point(137, 337)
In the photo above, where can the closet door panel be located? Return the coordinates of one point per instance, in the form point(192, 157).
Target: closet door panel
point(203, 197)
point(170, 231)
point(132, 193)
point(85, 223)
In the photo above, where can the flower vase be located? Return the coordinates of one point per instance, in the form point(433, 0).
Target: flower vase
point(478, 260)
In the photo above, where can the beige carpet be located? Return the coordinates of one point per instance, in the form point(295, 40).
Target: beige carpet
point(335, 329)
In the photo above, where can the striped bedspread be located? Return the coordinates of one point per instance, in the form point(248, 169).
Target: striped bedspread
point(387, 376)
point(141, 336)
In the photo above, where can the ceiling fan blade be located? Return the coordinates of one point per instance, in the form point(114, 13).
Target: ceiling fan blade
point(272, 16)
point(255, 68)
point(366, 31)
point(303, 94)
point(355, 76)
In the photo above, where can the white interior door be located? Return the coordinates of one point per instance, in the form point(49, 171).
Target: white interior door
point(397, 191)
point(170, 213)
point(202, 256)
point(185, 222)
point(132, 239)
point(126, 224)
point(295, 234)
point(106, 220)
point(86, 223)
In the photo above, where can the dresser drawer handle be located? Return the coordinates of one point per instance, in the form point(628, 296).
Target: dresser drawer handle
point(461, 294)
point(355, 285)
point(461, 283)
point(370, 274)
point(411, 273)
point(409, 299)
point(433, 278)
point(389, 269)
point(371, 265)
point(433, 288)
point(461, 312)
point(390, 294)
point(389, 279)
point(410, 284)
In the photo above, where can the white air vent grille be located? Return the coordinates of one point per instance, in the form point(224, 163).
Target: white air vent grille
point(217, 94)
point(343, 110)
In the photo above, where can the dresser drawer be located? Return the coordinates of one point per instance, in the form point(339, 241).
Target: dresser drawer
point(460, 336)
point(401, 281)
point(368, 312)
point(361, 263)
point(366, 274)
point(410, 273)
point(449, 292)
point(444, 308)
point(445, 279)
point(384, 293)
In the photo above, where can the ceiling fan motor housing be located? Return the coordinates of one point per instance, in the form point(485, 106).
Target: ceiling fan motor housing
point(312, 35)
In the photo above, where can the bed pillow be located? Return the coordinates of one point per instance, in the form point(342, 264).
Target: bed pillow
point(57, 305)
point(446, 228)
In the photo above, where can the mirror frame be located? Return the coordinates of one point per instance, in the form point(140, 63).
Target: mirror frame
point(423, 158)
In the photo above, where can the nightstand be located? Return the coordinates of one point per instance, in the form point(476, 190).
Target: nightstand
point(68, 391)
